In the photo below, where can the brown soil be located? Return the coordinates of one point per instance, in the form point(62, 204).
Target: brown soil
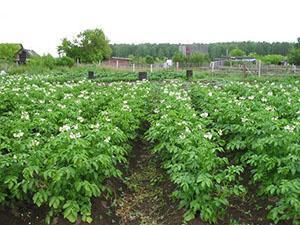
point(102, 212)
point(147, 200)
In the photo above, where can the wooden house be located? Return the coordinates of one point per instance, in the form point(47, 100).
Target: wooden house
point(22, 55)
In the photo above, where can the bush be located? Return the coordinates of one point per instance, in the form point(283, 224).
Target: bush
point(197, 59)
point(46, 61)
point(8, 51)
point(273, 59)
point(294, 56)
point(149, 59)
point(65, 61)
point(237, 52)
point(17, 69)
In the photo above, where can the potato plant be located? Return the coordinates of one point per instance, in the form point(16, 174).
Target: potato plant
point(260, 124)
point(204, 180)
point(59, 142)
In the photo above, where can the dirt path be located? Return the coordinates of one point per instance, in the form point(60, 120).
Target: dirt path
point(147, 199)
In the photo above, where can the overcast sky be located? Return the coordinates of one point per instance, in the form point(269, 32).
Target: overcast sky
point(41, 24)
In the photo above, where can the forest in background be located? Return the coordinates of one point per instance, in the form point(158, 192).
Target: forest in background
point(215, 50)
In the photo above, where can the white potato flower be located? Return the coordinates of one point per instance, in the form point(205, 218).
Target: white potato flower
point(204, 115)
point(18, 135)
point(64, 128)
point(107, 139)
point(80, 119)
point(208, 135)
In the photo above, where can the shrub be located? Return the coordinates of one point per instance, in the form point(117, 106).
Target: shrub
point(237, 52)
point(46, 61)
point(65, 61)
point(294, 56)
point(273, 59)
point(8, 51)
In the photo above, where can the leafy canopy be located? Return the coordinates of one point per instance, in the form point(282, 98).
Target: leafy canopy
point(294, 55)
point(237, 52)
point(88, 46)
point(8, 51)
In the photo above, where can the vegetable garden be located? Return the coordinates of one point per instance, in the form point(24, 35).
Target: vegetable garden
point(222, 144)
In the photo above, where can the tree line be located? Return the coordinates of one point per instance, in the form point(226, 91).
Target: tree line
point(215, 50)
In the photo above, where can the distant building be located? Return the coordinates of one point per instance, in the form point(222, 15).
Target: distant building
point(189, 49)
point(168, 63)
point(22, 55)
point(118, 62)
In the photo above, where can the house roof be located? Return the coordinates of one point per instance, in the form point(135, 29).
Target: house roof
point(31, 52)
point(121, 58)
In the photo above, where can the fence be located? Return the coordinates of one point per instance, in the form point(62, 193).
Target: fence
point(246, 69)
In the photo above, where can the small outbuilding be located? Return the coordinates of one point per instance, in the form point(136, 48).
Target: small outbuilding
point(118, 62)
point(22, 55)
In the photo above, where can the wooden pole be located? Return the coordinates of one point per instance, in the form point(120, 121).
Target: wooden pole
point(151, 68)
point(117, 63)
point(259, 68)
point(177, 66)
point(133, 67)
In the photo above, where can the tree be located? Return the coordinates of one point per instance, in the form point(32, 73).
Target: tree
point(89, 46)
point(294, 54)
point(179, 57)
point(297, 45)
point(237, 52)
point(8, 51)
point(197, 59)
point(149, 59)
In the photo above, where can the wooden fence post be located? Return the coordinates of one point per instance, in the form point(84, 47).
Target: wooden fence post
point(244, 70)
point(133, 67)
point(259, 68)
point(151, 68)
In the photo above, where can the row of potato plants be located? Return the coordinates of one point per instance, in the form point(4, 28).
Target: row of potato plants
point(260, 124)
point(61, 141)
point(204, 181)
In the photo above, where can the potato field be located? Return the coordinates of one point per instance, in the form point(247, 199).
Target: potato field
point(222, 151)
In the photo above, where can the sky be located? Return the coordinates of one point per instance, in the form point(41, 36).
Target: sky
point(42, 24)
